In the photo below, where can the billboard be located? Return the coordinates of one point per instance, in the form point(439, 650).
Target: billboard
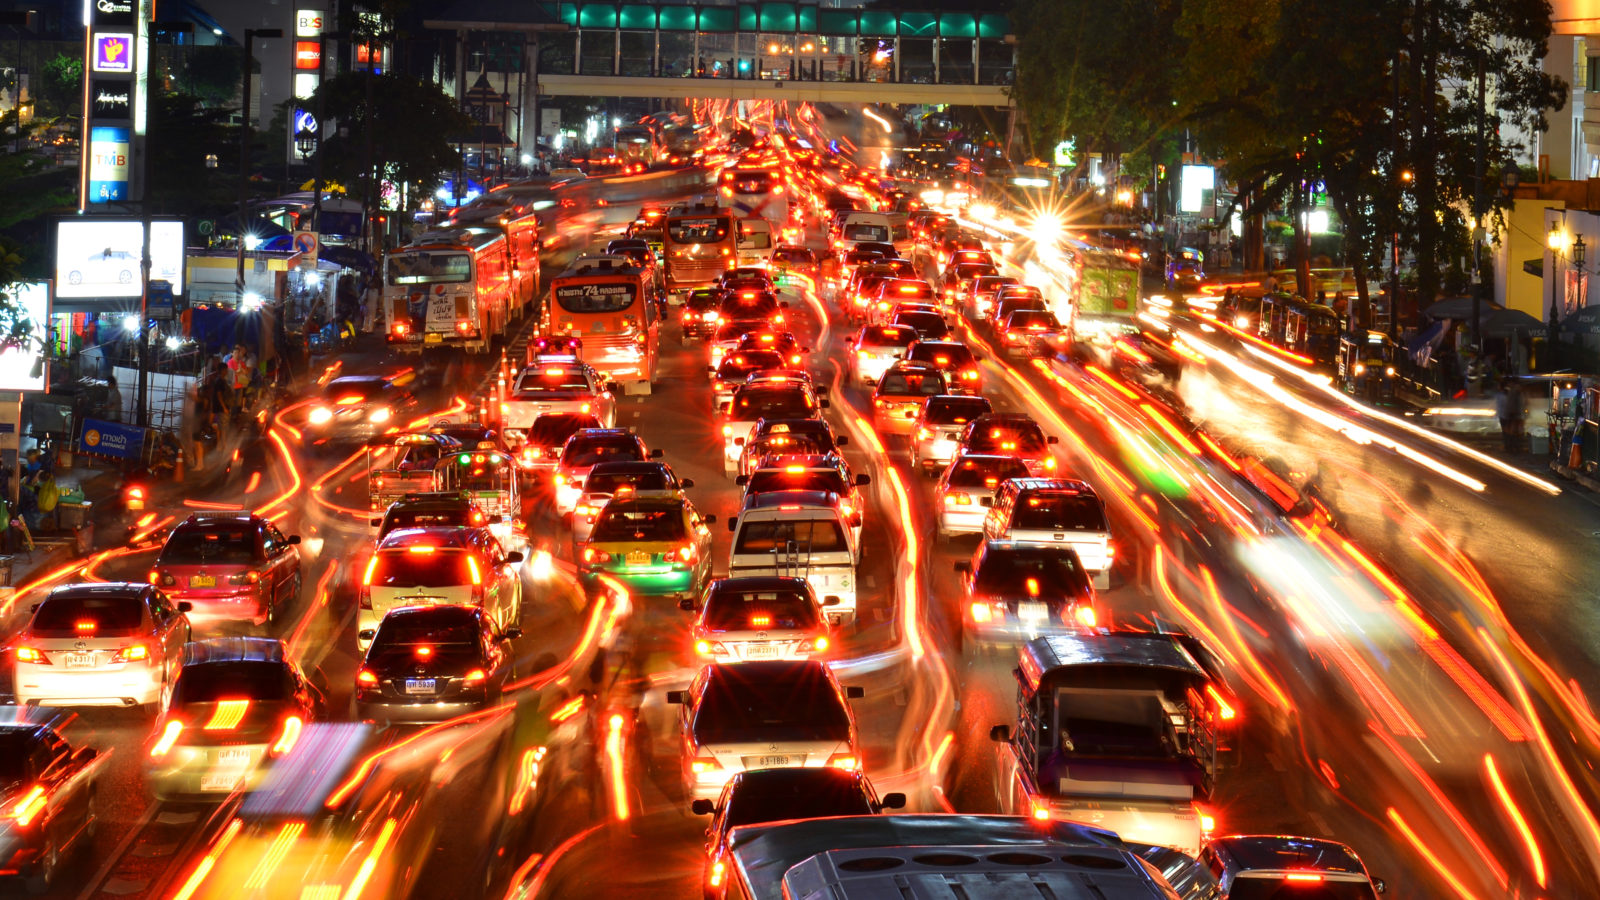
point(1197, 182)
point(99, 258)
point(108, 164)
point(113, 52)
point(17, 360)
point(110, 99)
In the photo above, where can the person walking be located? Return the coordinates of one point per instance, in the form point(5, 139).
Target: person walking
point(113, 400)
point(1512, 411)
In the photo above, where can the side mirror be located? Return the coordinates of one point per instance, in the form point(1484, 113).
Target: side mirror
point(854, 692)
point(1379, 885)
point(711, 370)
point(964, 567)
point(511, 634)
point(783, 304)
point(1000, 734)
point(863, 480)
point(294, 539)
point(376, 521)
point(513, 557)
point(34, 607)
point(733, 523)
point(1052, 439)
point(656, 453)
point(842, 440)
point(367, 634)
point(686, 604)
point(911, 413)
point(710, 519)
point(742, 480)
point(896, 800)
point(183, 606)
point(686, 484)
point(678, 697)
point(703, 807)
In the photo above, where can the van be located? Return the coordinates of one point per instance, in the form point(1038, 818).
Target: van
point(1054, 511)
point(799, 534)
point(864, 227)
point(755, 241)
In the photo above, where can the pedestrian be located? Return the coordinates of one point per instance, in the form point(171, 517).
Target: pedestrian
point(1512, 411)
point(1270, 284)
point(113, 400)
point(189, 427)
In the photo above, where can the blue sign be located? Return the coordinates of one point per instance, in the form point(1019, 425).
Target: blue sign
point(110, 439)
point(108, 164)
point(305, 120)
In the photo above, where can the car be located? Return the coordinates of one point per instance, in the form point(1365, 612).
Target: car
point(756, 274)
point(763, 400)
point(757, 796)
point(1031, 333)
point(229, 566)
point(955, 283)
point(783, 342)
point(656, 546)
point(100, 644)
point(763, 715)
point(736, 369)
point(239, 703)
point(1242, 867)
point(730, 334)
point(1009, 301)
point(586, 449)
point(930, 325)
point(50, 793)
point(440, 567)
point(800, 532)
point(981, 292)
point(431, 509)
point(900, 393)
point(1016, 592)
point(357, 408)
point(700, 313)
point(752, 302)
point(825, 473)
point(549, 386)
point(624, 479)
point(106, 267)
point(541, 447)
point(747, 619)
point(796, 260)
point(875, 347)
point(1011, 434)
point(1055, 512)
point(431, 663)
point(939, 422)
point(966, 489)
point(902, 290)
point(788, 436)
point(954, 359)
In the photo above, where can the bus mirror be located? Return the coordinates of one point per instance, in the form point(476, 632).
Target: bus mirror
point(733, 523)
point(678, 697)
point(703, 807)
point(686, 484)
point(656, 453)
point(1052, 439)
point(854, 692)
point(1000, 734)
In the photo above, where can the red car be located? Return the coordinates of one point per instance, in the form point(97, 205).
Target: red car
point(229, 566)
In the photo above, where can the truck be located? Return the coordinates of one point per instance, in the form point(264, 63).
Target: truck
point(1118, 730)
point(1104, 295)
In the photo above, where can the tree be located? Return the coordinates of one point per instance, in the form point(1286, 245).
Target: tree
point(182, 133)
point(212, 74)
point(406, 123)
point(34, 188)
point(59, 87)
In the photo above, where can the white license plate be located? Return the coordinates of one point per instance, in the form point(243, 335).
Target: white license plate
point(760, 651)
point(235, 757)
point(1033, 612)
point(420, 685)
point(220, 782)
point(80, 660)
point(772, 761)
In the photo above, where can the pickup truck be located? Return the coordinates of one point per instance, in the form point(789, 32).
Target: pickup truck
point(556, 387)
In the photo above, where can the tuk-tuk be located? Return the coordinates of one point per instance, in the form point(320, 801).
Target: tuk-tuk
point(1118, 730)
point(490, 476)
point(1272, 321)
point(1185, 269)
point(1312, 330)
point(1366, 365)
point(405, 465)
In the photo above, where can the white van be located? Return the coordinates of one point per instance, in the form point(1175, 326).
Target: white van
point(755, 241)
point(862, 228)
point(799, 534)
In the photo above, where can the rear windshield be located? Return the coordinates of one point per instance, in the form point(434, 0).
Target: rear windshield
point(218, 544)
point(760, 182)
point(589, 451)
point(955, 411)
point(449, 517)
point(428, 268)
point(927, 324)
point(1027, 318)
point(788, 443)
point(861, 231)
point(760, 611)
point(749, 305)
point(610, 482)
point(972, 473)
point(406, 631)
point(790, 255)
point(552, 380)
point(362, 390)
point(908, 290)
point(890, 336)
point(1247, 888)
point(553, 430)
point(740, 708)
point(702, 299)
point(739, 365)
point(1042, 571)
point(802, 797)
point(421, 566)
point(919, 384)
point(699, 231)
point(596, 298)
point(732, 331)
point(87, 616)
point(857, 257)
point(781, 404)
point(816, 535)
point(215, 682)
point(1054, 511)
point(765, 480)
point(1017, 438)
point(629, 523)
point(973, 270)
point(953, 356)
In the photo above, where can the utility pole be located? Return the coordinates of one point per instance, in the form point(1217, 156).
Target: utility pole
point(250, 35)
point(1478, 212)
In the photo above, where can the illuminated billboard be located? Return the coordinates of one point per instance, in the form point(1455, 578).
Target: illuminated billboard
point(99, 257)
point(20, 354)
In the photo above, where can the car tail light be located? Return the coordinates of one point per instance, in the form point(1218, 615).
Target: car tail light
point(687, 553)
point(719, 871)
point(1041, 811)
point(843, 761)
point(401, 328)
point(227, 715)
point(1208, 822)
point(591, 555)
point(31, 804)
point(958, 498)
point(366, 678)
point(817, 644)
point(923, 434)
point(586, 511)
point(476, 676)
point(165, 579)
point(130, 653)
point(702, 764)
point(710, 648)
point(982, 612)
point(1049, 462)
point(169, 736)
point(245, 578)
point(32, 655)
point(1085, 616)
point(288, 736)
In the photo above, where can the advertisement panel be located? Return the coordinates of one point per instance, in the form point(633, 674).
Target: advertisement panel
point(99, 258)
point(113, 52)
point(108, 165)
point(110, 99)
point(111, 439)
point(114, 13)
point(20, 354)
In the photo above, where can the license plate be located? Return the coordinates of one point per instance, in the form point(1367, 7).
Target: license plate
point(202, 581)
point(434, 339)
point(233, 757)
point(420, 685)
point(220, 782)
point(638, 558)
point(772, 761)
point(760, 651)
point(424, 601)
point(80, 660)
point(1032, 612)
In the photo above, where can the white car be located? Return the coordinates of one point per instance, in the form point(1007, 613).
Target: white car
point(748, 619)
point(966, 490)
point(438, 567)
point(1054, 512)
point(935, 433)
point(876, 347)
point(763, 715)
point(110, 644)
point(769, 399)
point(799, 534)
point(587, 449)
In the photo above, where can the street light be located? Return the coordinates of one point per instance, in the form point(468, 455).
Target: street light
point(305, 142)
point(1579, 251)
point(250, 35)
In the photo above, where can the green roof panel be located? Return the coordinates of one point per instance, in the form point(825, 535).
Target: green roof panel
point(778, 18)
point(749, 17)
point(918, 24)
point(994, 25)
point(836, 21)
point(678, 18)
point(717, 18)
point(638, 16)
point(880, 23)
point(597, 15)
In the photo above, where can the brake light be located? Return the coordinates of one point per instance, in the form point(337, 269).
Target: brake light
point(227, 715)
point(29, 806)
point(366, 678)
point(400, 328)
point(1208, 823)
point(131, 653)
point(843, 761)
point(1303, 877)
point(592, 555)
point(704, 764)
point(686, 553)
point(475, 676)
point(31, 655)
point(349, 400)
point(981, 612)
point(292, 726)
point(245, 578)
point(819, 643)
point(718, 872)
point(958, 498)
point(1085, 616)
point(1041, 811)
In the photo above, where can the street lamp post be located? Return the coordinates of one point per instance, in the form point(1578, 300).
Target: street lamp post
point(250, 35)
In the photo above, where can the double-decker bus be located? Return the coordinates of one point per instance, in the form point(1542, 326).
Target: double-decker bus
point(609, 305)
point(448, 289)
point(700, 244)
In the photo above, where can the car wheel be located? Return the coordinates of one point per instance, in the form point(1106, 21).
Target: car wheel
point(44, 874)
point(91, 822)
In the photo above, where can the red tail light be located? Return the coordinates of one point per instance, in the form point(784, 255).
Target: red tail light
point(687, 553)
point(366, 678)
point(169, 736)
point(131, 653)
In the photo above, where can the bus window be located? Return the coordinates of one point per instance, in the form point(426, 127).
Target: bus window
point(703, 231)
point(429, 268)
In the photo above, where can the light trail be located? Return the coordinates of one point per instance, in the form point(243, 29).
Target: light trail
point(1517, 820)
point(617, 766)
point(1421, 847)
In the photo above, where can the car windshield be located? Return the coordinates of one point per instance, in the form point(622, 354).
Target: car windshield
point(912, 383)
point(553, 430)
point(800, 797)
point(588, 451)
point(611, 482)
point(552, 380)
point(216, 543)
point(1022, 437)
point(421, 565)
point(699, 231)
point(945, 356)
point(927, 324)
point(817, 535)
point(99, 616)
point(804, 480)
point(866, 231)
point(738, 707)
point(233, 680)
point(779, 404)
point(888, 336)
point(434, 517)
point(620, 522)
point(1277, 887)
point(1043, 570)
point(760, 611)
point(15, 745)
point(986, 473)
point(411, 630)
point(1059, 510)
point(955, 410)
point(350, 393)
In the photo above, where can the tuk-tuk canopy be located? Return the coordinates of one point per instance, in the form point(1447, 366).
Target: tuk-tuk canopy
point(1045, 656)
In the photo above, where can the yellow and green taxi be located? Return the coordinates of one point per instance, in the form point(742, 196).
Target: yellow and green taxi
point(655, 546)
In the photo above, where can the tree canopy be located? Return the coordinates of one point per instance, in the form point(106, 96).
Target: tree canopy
point(405, 123)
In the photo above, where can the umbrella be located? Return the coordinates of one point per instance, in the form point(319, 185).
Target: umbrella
point(1458, 308)
point(1584, 321)
point(1507, 322)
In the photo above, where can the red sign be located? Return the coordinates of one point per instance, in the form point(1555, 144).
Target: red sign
point(366, 54)
point(307, 55)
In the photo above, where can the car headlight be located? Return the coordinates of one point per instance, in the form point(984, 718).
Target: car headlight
point(380, 415)
point(321, 416)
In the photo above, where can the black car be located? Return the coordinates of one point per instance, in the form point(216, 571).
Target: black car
point(776, 795)
point(47, 790)
point(930, 326)
point(431, 663)
point(700, 315)
point(1018, 591)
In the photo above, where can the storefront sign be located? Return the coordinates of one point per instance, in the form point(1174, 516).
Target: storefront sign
point(308, 23)
point(307, 55)
point(108, 165)
point(112, 12)
point(110, 99)
point(111, 439)
point(113, 52)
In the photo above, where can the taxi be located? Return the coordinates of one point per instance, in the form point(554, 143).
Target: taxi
point(938, 426)
point(438, 567)
point(902, 390)
point(1032, 332)
point(625, 479)
point(788, 436)
point(656, 546)
point(792, 399)
point(966, 490)
point(758, 618)
point(955, 360)
point(229, 566)
point(1011, 434)
point(876, 347)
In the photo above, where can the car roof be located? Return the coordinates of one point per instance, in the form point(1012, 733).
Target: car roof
point(100, 589)
point(1285, 852)
point(433, 613)
point(1071, 485)
point(233, 649)
point(780, 671)
point(377, 380)
point(776, 499)
point(757, 780)
point(449, 538)
point(220, 518)
point(654, 501)
point(596, 434)
point(759, 583)
point(628, 467)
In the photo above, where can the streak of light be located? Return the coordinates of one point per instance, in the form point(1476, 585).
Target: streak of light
point(321, 495)
point(253, 483)
point(1106, 377)
point(935, 763)
point(349, 785)
point(1255, 342)
point(207, 504)
point(364, 874)
point(276, 851)
point(1216, 449)
point(616, 762)
point(1422, 848)
point(294, 475)
point(1171, 430)
point(1517, 819)
point(322, 593)
point(871, 114)
point(1221, 609)
point(206, 863)
point(911, 597)
point(549, 864)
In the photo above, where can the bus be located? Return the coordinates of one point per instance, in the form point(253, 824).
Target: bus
point(448, 289)
point(1106, 298)
point(755, 192)
point(520, 225)
point(700, 244)
point(636, 147)
point(610, 306)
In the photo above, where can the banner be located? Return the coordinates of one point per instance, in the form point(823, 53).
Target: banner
point(110, 439)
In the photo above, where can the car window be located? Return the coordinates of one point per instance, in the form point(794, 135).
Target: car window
point(809, 480)
point(912, 383)
point(413, 630)
point(782, 404)
point(986, 473)
point(740, 365)
point(1040, 571)
point(552, 379)
point(234, 680)
point(438, 517)
point(97, 616)
point(1012, 438)
point(1057, 510)
point(611, 482)
point(954, 410)
point(928, 324)
point(589, 451)
point(421, 566)
point(735, 707)
point(944, 356)
point(889, 336)
point(553, 430)
point(211, 543)
point(818, 535)
point(631, 523)
point(808, 798)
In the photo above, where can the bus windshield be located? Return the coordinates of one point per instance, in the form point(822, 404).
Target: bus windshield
point(429, 268)
point(596, 298)
point(699, 231)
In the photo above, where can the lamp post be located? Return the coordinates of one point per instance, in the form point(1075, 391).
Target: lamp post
point(305, 142)
point(1554, 240)
point(250, 35)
